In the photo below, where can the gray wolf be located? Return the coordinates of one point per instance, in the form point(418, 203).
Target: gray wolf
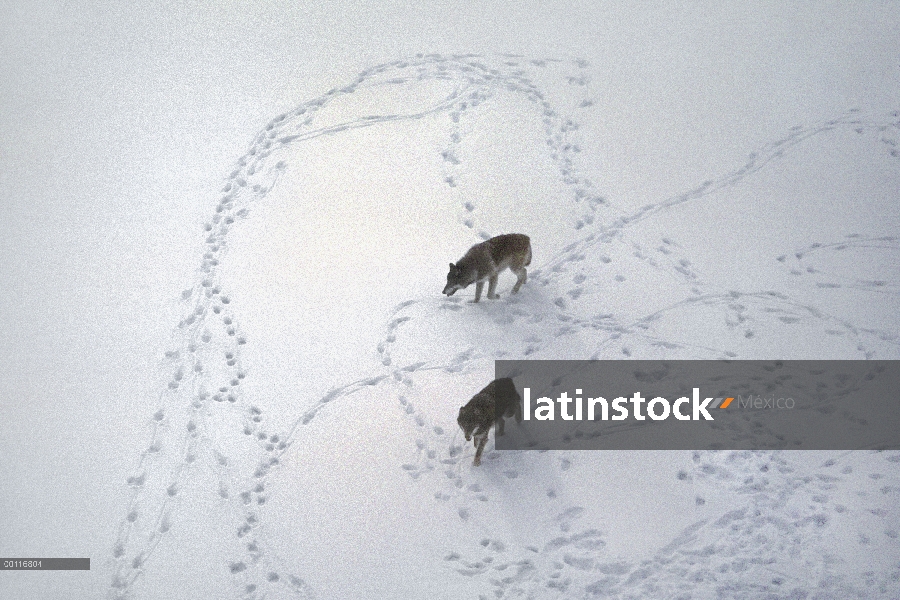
point(486, 260)
point(486, 408)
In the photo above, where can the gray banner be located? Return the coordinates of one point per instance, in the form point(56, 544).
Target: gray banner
point(45, 564)
point(700, 405)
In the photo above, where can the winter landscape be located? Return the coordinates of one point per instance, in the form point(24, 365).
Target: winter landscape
point(727, 189)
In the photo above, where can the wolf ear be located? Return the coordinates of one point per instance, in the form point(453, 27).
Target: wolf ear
point(452, 266)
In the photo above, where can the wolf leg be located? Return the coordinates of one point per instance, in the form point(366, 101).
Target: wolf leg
point(478, 287)
point(522, 275)
point(492, 286)
point(499, 428)
point(479, 447)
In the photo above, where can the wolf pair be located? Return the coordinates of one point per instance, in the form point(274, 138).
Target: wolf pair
point(485, 261)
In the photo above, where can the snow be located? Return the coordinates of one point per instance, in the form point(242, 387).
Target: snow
point(701, 196)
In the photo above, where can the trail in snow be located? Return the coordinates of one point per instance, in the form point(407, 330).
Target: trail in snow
point(586, 299)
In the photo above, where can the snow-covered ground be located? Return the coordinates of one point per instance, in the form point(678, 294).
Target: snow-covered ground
point(696, 184)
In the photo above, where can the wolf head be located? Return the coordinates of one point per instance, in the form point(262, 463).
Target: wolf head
point(477, 414)
point(454, 282)
point(457, 279)
point(470, 417)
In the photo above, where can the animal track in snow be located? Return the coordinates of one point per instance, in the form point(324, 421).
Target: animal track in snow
point(203, 407)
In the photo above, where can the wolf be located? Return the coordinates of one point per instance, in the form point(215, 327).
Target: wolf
point(497, 400)
point(486, 260)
